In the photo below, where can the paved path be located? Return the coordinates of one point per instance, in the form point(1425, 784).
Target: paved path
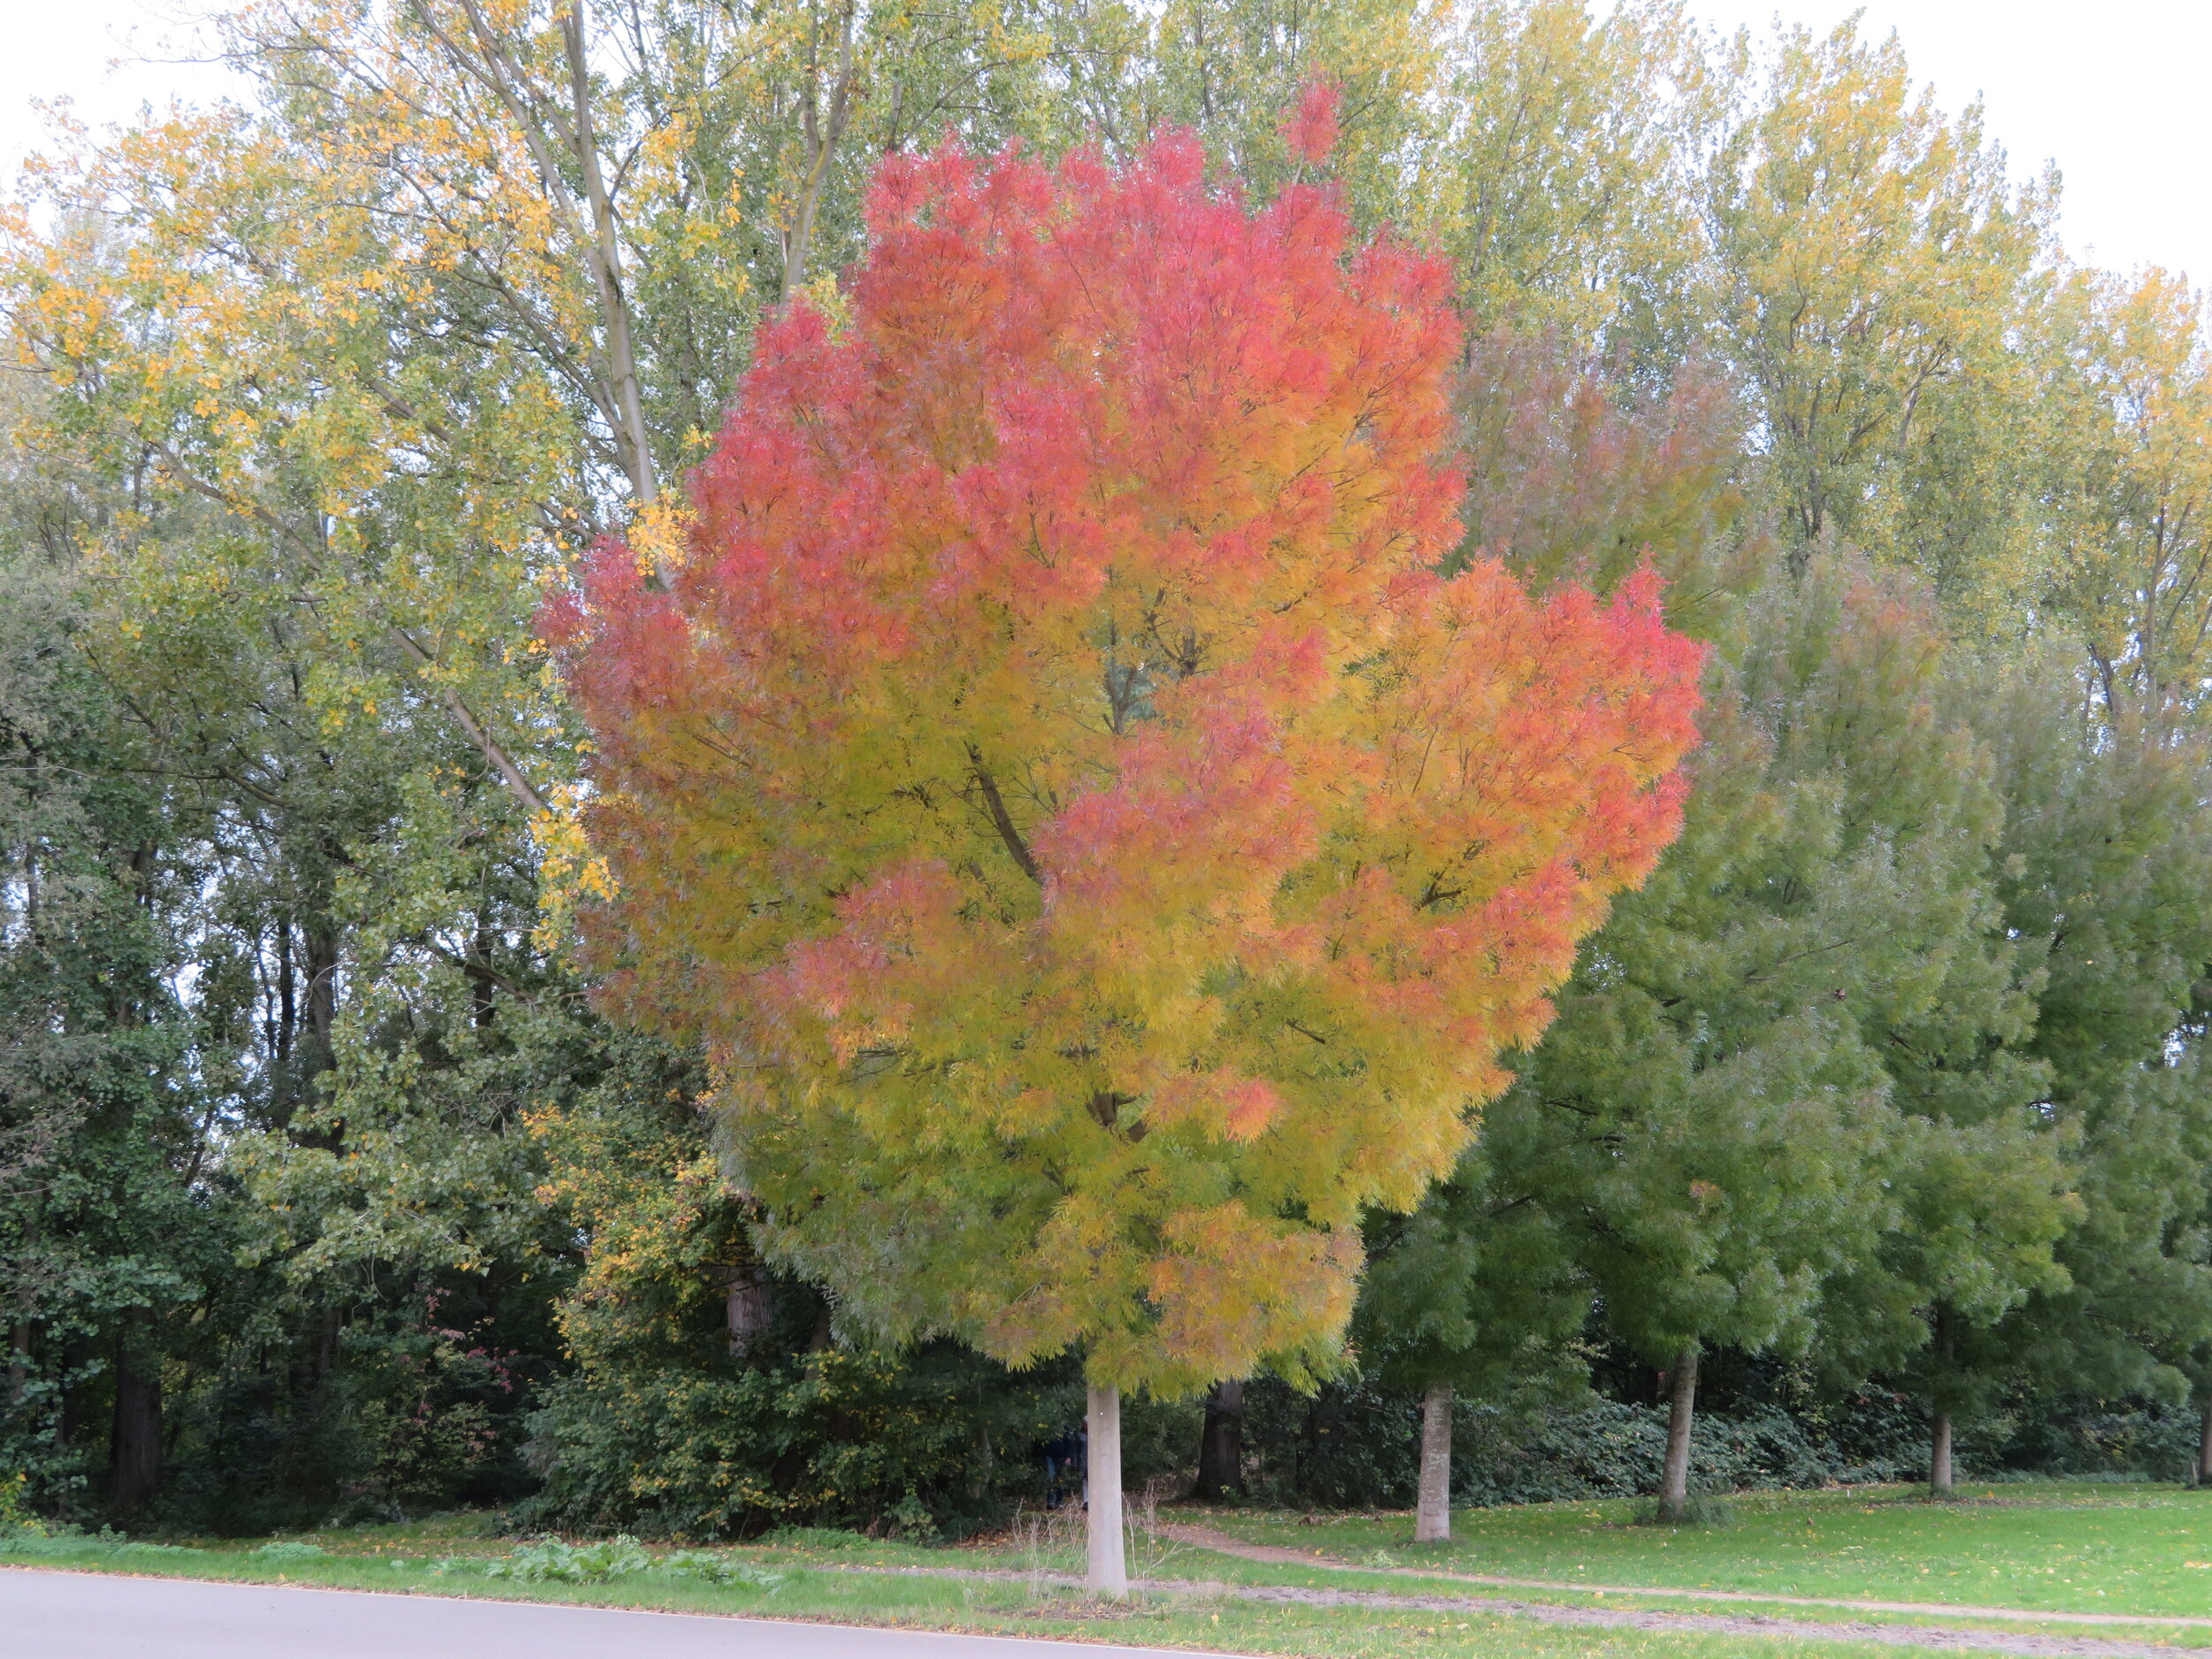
point(103, 1616)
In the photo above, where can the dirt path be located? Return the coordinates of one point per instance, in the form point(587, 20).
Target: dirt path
point(1225, 1544)
point(1939, 1636)
point(1948, 1637)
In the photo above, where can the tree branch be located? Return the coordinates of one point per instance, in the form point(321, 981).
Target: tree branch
point(995, 804)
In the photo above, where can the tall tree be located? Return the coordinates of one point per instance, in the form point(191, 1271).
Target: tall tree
point(1872, 260)
point(1563, 152)
point(2106, 863)
point(2127, 486)
point(1577, 473)
point(1101, 855)
point(1724, 1115)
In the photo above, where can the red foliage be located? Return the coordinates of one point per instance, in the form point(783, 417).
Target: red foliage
point(1101, 851)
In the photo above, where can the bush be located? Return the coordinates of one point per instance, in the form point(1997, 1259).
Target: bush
point(1352, 1444)
point(552, 1560)
point(16, 1519)
point(2083, 1439)
point(936, 1441)
point(285, 1551)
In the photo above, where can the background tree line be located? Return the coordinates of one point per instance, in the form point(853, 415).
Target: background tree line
point(1875, 1117)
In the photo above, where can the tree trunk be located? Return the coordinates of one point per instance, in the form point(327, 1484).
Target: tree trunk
point(1674, 1488)
point(1939, 1426)
point(2204, 1444)
point(819, 146)
point(1432, 1509)
point(285, 1084)
point(747, 1305)
point(322, 1003)
point(1221, 1443)
point(135, 1444)
point(1109, 1567)
point(19, 1363)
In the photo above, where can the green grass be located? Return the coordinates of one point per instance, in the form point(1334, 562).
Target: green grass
point(401, 1560)
point(2091, 1549)
point(2048, 1547)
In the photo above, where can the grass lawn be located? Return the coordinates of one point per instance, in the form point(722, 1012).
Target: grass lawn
point(2064, 1548)
point(448, 1559)
point(2092, 1549)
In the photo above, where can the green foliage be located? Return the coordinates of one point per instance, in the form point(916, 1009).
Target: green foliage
point(17, 1519)
point(938, 1439)
point(106, 1545)
point(552, 1560)
point(324, 1197)
point(286, 1551)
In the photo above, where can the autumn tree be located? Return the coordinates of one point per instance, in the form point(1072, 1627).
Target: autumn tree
point(1871, 257)
point(1562, 156)
point(2125, 481)
point(1100, 852)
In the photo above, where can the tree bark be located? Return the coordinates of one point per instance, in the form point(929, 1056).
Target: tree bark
point(1433, 1506)
point(1221, 1443)
point(820, 144)
point(602, 256)
point(19, 1362)
point(1109, 1573)
point(322, 1006)
point(748, 1307)
point(2204, 1444)
point(1939, 1426)
point(135, 1446)
point(1674, 1488)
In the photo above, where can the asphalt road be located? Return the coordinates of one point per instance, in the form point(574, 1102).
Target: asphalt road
point(95, 1615)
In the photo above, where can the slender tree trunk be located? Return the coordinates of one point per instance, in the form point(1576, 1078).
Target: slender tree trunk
point(2204, 1444)
point(1108, 1566)
point(1674, 1488)
point(287, 1018)
point(65, 1420)
point(322, 1002)
point(1433, 1508)
point(1940, 1427)
point(136, 1445)
point(820, 146)
point(1221, 1443)
point(483, 1000)
point(19, 1362)
point(602, 256)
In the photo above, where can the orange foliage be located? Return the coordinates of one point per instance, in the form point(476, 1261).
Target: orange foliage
point(1099, 851)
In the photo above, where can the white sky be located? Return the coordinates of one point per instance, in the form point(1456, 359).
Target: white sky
point(2117, 92)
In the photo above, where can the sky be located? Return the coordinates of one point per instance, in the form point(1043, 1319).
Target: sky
point(2117, 92)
